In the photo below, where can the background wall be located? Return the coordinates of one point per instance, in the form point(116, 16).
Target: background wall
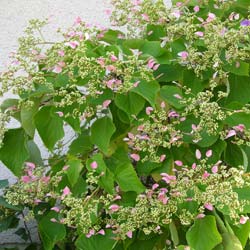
point(14, 17)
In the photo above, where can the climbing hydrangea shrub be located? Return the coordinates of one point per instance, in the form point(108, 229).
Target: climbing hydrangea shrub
point(159, 151)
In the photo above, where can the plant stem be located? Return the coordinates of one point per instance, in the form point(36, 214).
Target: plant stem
point(26, 228)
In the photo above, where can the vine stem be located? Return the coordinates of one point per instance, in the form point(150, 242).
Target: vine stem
point(26, 228)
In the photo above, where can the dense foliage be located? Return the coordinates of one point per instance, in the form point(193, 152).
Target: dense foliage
point(157, 144)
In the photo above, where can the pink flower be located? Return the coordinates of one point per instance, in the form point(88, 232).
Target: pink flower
point(209, 153)
point(90, 233)
point(156, 66)
point(53, 220)
point(61, 64)
point(108, 12)
point(150, 32)
point(198, 154)
point(111, 68)
point(113, 58)
point(173, 114)
point(78, 20)
point(56, 209)
point(244, 219)
point(163, 198)
point(230, 133)
point(135, 157)
point(114, 208)
point(183, 55)
point(155, 186)
point(65, 168)
point(177, 96)
point(178, 163)
point(60, 113)
point(30, 165)
point(66, 191)
point(211, 17)
point(57, 69)
point(194, 166)
point(72, 44)
point(163, 105)
point(168, 178)
point(240, 127)
point(136, 84)
point(136, 2)
point(200, 216)
point(94, 165)
point(145, 17)
point(196, 8)
point(205, 175)
point(214, 169)
point(102, 232)
point(176, 14)
point(209, 206)
point(151, 63)
point(106, 103)
point(129, 234)
point(101, 61)
point(61, 53)
point(37, 201)
point(162, 158)
point(199, 33)
point(149, 110)
point(117, 197)
point(45, 179)
point(26, 179)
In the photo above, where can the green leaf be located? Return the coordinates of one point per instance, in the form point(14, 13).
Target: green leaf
point(127, 178)
point(8, 223)
point(4, 203)
point(238, 118)
point(107, 179)
point(96, 242)
point(204, 235)
point(152, 48)
point(242, 70)
point(148, 90)
point(243, 194)
point(156, 32)
point(49, 126)
point(239, 89)
point(34, 153)
point(242, 232)
point(74, 170)
point(231, 242)
point(101, 132)
point(81, 145)
point(233, 155)
point(9, 103)
point(174, 233)
point(192, 81)
point(169, 73)
point(14, 150)
point(130, 103)
point(27, 115)
point(144, 244)
point(168, 94)
point(51, 232)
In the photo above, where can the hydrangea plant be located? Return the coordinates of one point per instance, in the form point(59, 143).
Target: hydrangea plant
point(159, 149)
